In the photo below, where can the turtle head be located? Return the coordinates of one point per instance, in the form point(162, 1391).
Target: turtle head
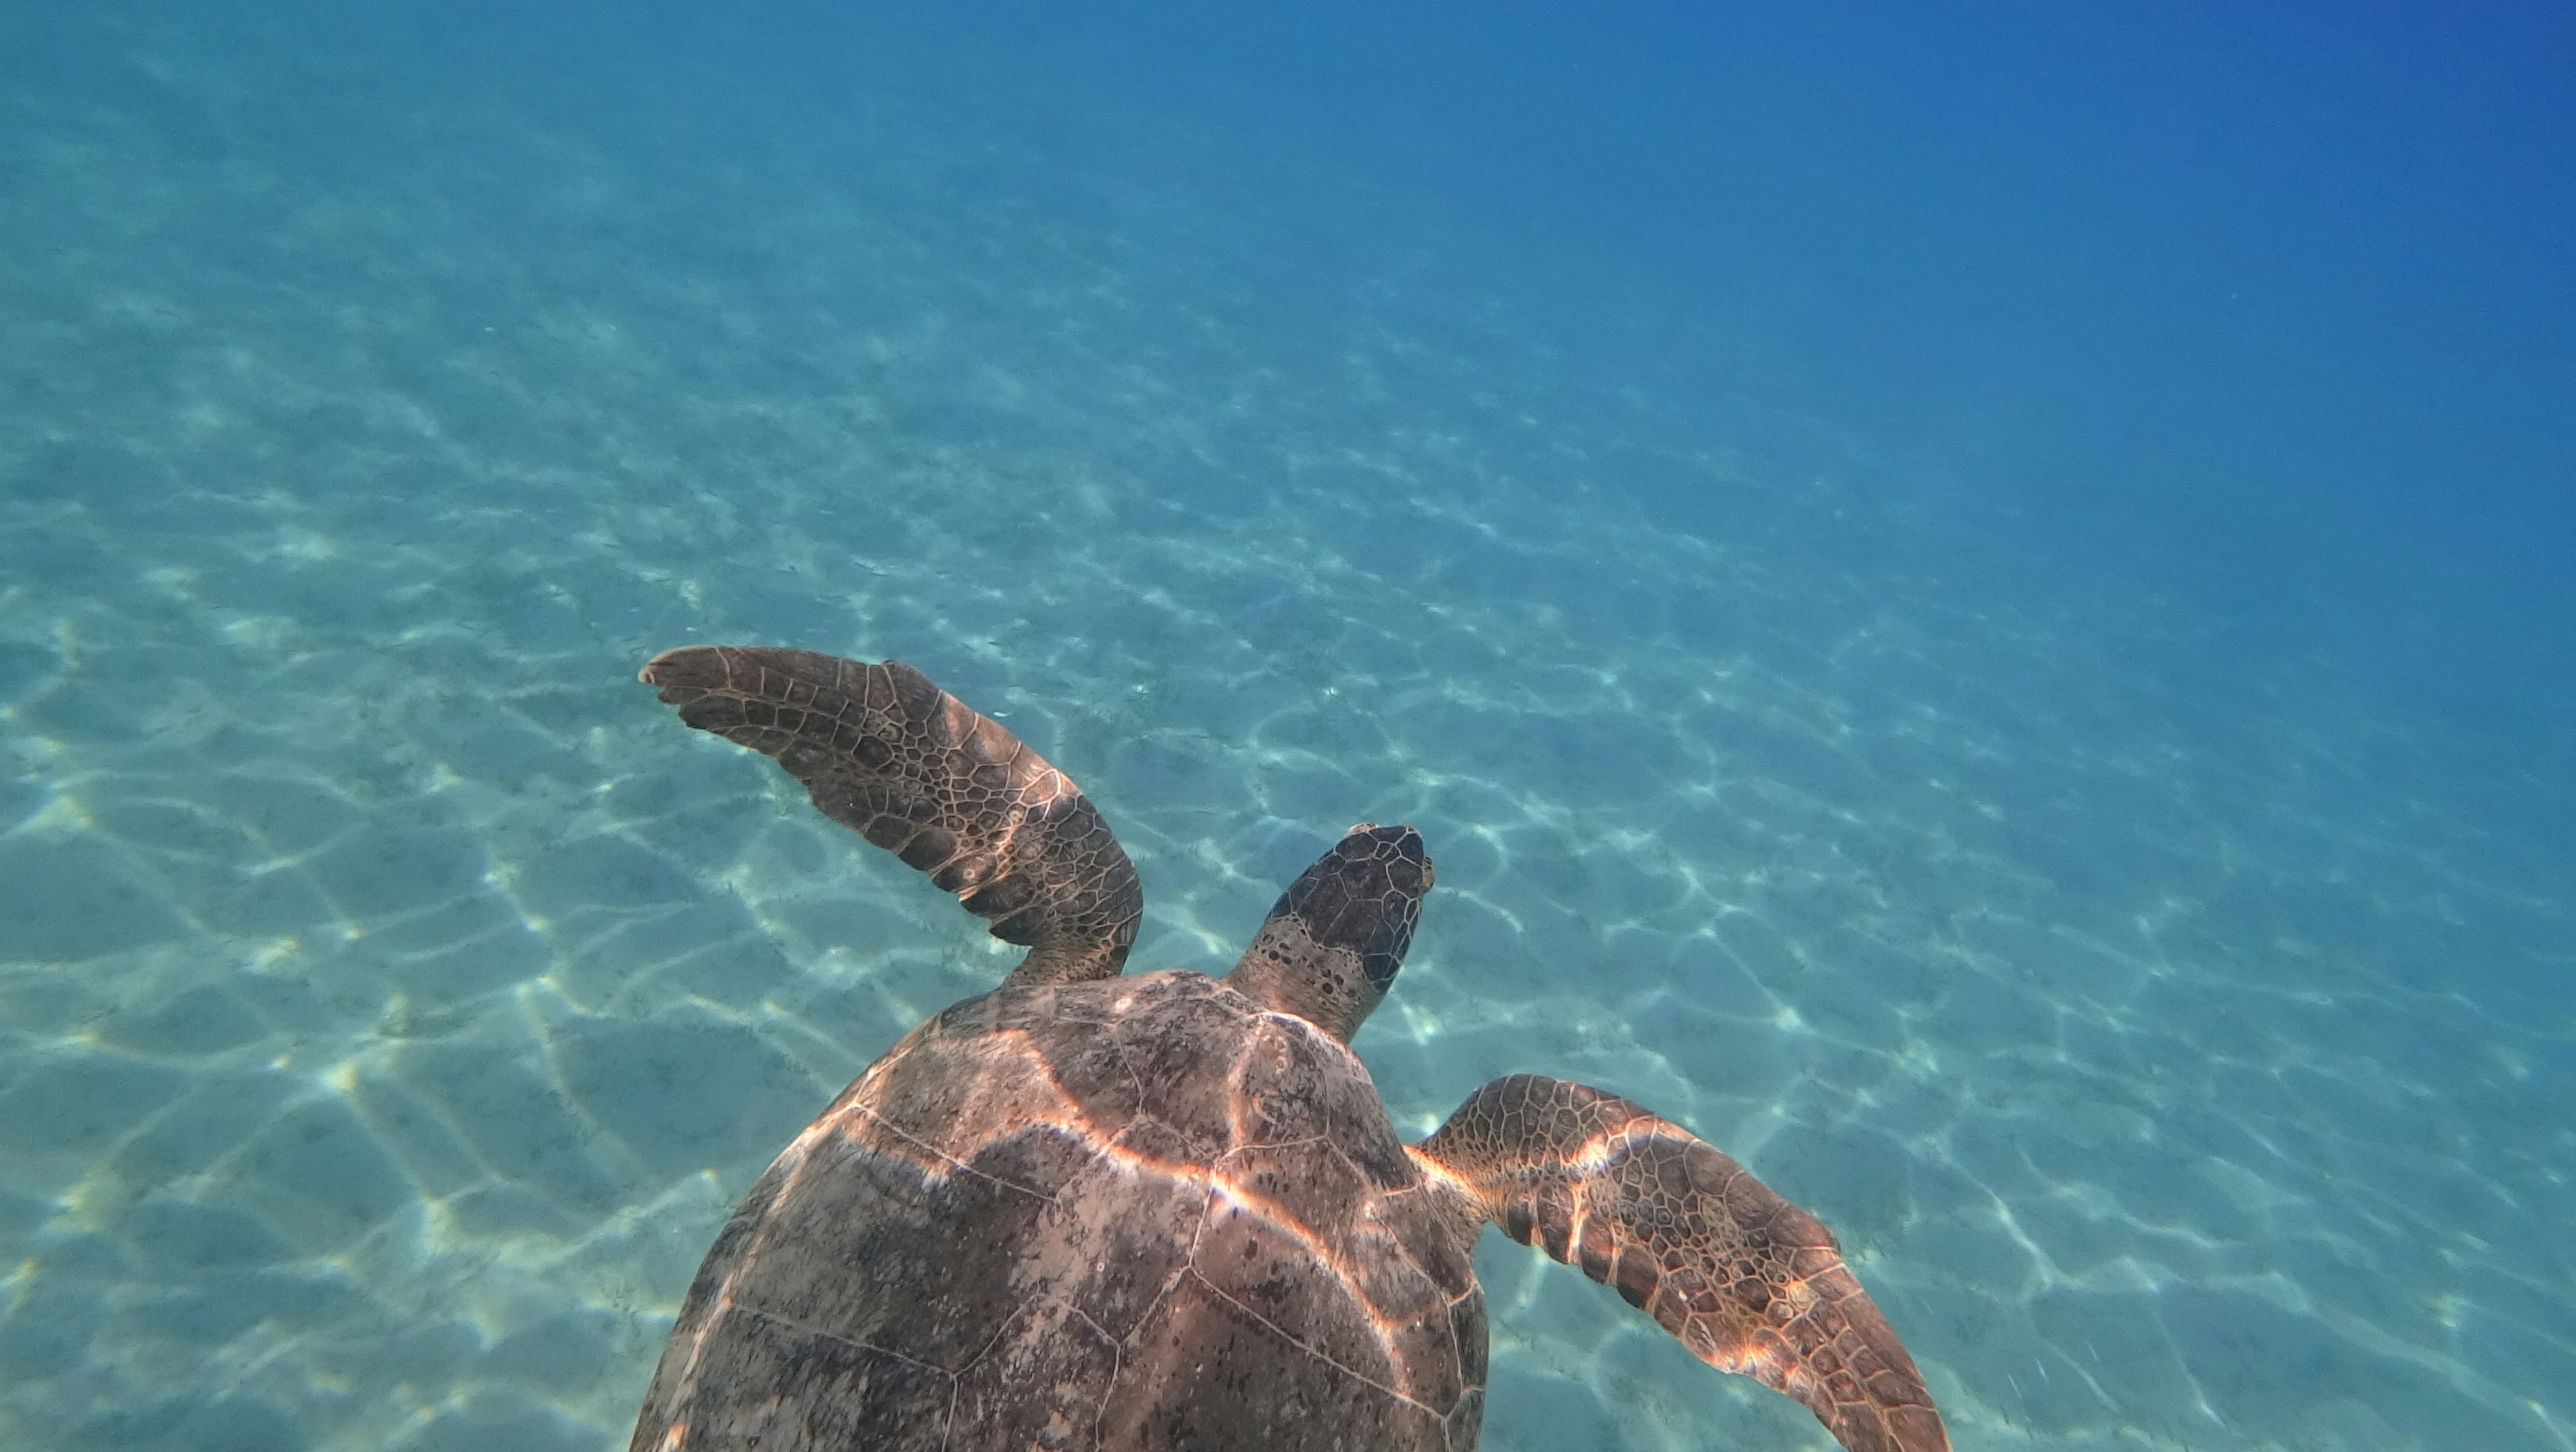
point(1331, 947)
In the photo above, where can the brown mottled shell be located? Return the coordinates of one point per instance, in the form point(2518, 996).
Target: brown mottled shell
point(1135, 1212)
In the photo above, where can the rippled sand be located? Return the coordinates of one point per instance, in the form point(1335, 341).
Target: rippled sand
point(393, 1000)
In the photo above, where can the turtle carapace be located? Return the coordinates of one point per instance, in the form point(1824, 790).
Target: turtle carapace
point(1165, 1211)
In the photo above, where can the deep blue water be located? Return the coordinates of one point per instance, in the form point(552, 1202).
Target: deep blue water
point(1972, 605)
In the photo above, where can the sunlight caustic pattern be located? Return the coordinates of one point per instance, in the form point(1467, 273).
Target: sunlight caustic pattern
point(393, 1003)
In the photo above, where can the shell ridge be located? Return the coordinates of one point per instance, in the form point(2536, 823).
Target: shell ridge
point(810, 1329)
point(1281, 1219)
point(1283, 1334)
point(1428, 1187)
point(726, 1304)
point(955, 1164)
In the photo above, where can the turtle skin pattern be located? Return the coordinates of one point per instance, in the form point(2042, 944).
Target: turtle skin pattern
point(1749, 1282)
point(1336, 938)
point(1139, 1213)
point(1166, 1212)
point(927, 777)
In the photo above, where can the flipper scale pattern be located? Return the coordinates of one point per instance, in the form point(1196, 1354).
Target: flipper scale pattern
point(1749, 1282)
point(950, 791)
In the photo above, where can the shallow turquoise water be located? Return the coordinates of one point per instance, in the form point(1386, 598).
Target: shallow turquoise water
point(393, 1000)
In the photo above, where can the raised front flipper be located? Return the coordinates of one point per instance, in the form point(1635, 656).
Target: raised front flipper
point(1748, 1281)
point(951, 792)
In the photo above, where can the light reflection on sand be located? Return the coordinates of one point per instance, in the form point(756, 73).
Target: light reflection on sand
point(393, 1001)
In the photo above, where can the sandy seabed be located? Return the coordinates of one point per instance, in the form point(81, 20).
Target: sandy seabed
point(393, 1000)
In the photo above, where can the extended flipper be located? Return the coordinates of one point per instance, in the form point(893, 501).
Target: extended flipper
point(1748, 1281)
point(951, 792)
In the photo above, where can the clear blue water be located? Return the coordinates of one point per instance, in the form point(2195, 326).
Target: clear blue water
point(1973, 606)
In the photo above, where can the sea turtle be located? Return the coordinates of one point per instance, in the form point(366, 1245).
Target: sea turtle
point(1168, 1211)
